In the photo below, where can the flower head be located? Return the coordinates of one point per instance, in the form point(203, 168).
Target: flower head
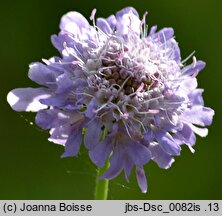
point(116, 78)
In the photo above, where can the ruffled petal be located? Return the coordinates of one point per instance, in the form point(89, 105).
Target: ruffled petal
point(53, 118)
point(162, 159)
point(112, 22)
point(42, 75)
point(73, 22)
point(104, 25)
point(167, 143)
point(65, 84)
point(28, 99)
point(188, 85)
point(152, 31)
point(58, 41)
point(176, 50)
point(165, 34)
point(45, 118)
point(186, 135)
point(199, 115)
point(196, 97)
point(125, 11)
point(127, 21)
point(60, 134)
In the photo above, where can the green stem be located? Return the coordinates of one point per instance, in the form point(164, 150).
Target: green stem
point(101, 190)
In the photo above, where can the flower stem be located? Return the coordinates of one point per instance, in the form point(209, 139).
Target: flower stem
point(101, 190)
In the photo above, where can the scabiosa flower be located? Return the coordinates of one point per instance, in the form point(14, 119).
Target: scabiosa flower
point(115, 78)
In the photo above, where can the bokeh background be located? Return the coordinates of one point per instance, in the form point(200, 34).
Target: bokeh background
point(31, 167)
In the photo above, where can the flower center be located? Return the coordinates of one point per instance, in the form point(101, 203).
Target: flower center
point(125, 67)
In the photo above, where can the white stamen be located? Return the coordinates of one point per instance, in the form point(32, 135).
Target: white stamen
point(191, 148)
point(127, 130)
point(165, 43)
point(188, 57)
point(92, 17)
point(194, 62)
point(143, 21)
point(83, 93)
point(71, 52)
point(153, 99)
point(137, 111)
point(152, 111)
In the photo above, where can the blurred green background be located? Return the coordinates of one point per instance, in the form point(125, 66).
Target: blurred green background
point(31, 167)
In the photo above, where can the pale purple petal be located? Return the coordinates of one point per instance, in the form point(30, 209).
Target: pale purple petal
point(116, 165)
point(104, 25)
point(64, 84)
point(73, 143)
point(58, 41)
point(128, 21)
point(167, 143)
point(27, 99)
point(55, 100)
point(194, 68)
point(42, 75)
point(46, 118)
point(91, 108)
point(196, 97)
point(52, 118)
point(138, 153)
point(163, 159)
point(73, 22)
point(60, 134)
point(93, 134)
point(101, 152)
point(148, 135)
point(165, 34)
point(152, 30)
point(186, 135)
point(112, 22)
point(128, 165)
point(199, 115)
point(141, 179)
point(175, 50)
point(203, 132)
point(188, 85)
point(125, 11)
